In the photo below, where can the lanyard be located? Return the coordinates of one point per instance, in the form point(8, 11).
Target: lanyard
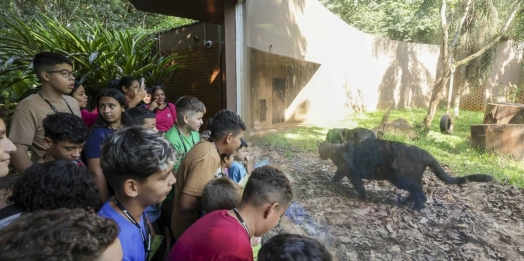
point(241, 220)
point(53, 107)
point(147, 245)
point(182, 140)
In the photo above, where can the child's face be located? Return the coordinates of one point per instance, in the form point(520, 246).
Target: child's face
point(132, 90)
point(194, 120)
point(110, 109)
point(233, 142)
point(6, 148)
point(81, 97)
point(60, 78)
point(241, 154)
point(147, 98)
point(64, 150)
point(159, 96)
point(150, 123)
point(226, 162)
point(155, 189)
point(271, 219)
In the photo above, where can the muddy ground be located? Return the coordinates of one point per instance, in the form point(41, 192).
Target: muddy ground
point(472, 222)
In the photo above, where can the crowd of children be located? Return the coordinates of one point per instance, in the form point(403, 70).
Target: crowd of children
point(134, 179)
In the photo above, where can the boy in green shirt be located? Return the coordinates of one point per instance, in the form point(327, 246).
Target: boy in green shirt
point(183, 136)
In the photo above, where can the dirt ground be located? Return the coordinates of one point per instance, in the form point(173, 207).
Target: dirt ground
point(472, 222)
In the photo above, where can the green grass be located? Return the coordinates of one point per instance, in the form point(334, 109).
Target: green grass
point(453, 150)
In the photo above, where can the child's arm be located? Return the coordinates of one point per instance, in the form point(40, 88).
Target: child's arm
point(188, 204)
point(100, 179)
point(249, 163)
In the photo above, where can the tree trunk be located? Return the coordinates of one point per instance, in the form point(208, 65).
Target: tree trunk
point(435, 97)
point(460, 87)
point(444, 49)
point(440, 82)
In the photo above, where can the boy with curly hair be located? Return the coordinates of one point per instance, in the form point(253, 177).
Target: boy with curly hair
point(51, 185)
point(62, 234)
point(64, 137)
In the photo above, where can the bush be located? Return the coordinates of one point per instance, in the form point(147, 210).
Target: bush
point(99, 55)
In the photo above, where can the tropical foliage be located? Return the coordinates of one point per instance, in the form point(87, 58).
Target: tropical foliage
point(99, 54)
point(112, 14)
point(409, 21)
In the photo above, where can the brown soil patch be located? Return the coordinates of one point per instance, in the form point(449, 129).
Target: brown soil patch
point(470, 222)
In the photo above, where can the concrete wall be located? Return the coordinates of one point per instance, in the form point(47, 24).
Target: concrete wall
point(327, 69)
point(505, 71)
point(353, 72)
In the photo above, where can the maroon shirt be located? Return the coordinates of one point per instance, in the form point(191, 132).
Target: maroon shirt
point(165, 118)
point(89, 117)
point(215, 236)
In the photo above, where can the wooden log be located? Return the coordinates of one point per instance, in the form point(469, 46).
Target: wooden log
point(504, 113)
point(499, 138)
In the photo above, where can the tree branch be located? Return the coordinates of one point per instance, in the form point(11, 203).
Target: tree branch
point(493, 42)
point(459, 28)
point(445, 34)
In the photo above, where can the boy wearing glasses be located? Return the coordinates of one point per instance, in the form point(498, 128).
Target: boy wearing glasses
point(27, 132)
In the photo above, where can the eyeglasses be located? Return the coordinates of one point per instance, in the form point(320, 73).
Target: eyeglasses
point(64, 73)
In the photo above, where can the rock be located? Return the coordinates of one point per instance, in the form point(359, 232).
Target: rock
point(345, 239)
point(394, 249)
point(398, 127)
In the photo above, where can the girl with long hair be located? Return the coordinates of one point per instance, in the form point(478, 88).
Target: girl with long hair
point(165, 111)
point(112, 115)
point(79, 93)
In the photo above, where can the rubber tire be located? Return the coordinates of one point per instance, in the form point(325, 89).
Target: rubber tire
point(446, 124)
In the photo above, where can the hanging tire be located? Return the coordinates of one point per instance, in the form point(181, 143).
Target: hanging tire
point(446, 124)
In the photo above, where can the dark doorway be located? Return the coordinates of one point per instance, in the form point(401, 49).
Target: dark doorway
point(279, 97)
point(262, 110)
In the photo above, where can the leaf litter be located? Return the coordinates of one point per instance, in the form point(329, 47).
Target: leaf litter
point(477, 221)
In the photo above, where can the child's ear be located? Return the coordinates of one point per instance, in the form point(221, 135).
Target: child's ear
point(228, 138)
point(271, 210)
point(186, 119)
point(47, 142)
point(44, 76)
point(130, 188)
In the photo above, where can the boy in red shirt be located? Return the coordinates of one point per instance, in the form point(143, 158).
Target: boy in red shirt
point(227, 233)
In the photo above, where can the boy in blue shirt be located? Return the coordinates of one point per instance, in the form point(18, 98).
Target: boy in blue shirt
point(137, 163)
point(237, 171)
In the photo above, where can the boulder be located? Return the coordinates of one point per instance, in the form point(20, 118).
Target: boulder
point(398, 127)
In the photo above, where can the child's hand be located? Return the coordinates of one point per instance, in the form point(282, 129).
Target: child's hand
point(153, 105)
point(247, 160)
point(141, 93)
